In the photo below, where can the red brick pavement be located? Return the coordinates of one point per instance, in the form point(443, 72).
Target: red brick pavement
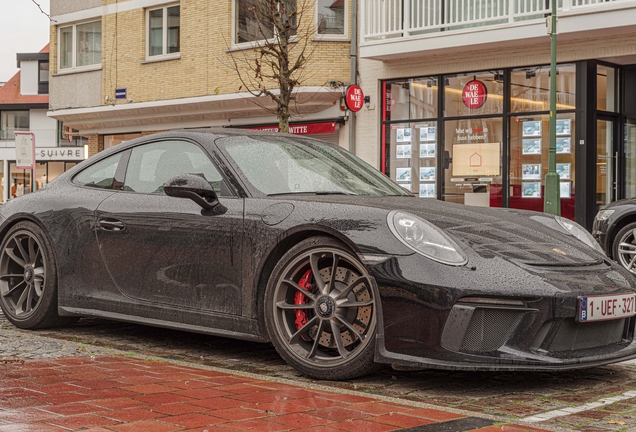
point(118, 393)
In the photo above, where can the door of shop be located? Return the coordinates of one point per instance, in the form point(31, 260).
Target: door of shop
point(608, 161)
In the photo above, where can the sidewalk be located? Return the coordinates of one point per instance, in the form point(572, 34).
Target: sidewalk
point(120, 393)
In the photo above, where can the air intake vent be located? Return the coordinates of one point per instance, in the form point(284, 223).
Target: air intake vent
point(489, 329)
point(575, 336)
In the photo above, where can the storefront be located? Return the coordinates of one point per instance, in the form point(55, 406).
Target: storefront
point(482, 138)
point(50, 163)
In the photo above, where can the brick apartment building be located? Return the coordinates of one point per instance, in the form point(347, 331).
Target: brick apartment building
point(126, 68)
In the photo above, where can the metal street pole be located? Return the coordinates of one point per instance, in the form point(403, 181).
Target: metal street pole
point(552, 200)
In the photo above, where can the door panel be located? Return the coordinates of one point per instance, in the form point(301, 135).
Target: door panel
point(166, 250)
point(630, 158)
point(162, 249)
point(606, 162)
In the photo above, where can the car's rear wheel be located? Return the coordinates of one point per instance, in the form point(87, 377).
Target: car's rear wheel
point(320, 310)
point(624, 247)
point(28, 278)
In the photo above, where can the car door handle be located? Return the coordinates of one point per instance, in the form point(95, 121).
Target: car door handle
point(111, 225)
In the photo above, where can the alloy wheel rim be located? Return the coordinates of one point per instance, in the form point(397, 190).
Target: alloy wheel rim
point(627, 251)
point(340, 308)
point(22, 274)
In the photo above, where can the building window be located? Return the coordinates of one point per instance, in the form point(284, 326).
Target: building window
point(254, 19)
point(330, 17)
point(43, 77)
point(12, 121)
point(80, 45)
point(164, 31)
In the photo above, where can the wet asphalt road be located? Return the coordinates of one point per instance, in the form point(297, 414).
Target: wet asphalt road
point(507, 396)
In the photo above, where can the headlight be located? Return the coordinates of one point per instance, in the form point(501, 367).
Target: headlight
point(425, 238)
point(604, 214)
point(579, 232)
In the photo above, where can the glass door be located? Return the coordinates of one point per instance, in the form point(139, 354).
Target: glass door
point(607, 162)
point(630, 158)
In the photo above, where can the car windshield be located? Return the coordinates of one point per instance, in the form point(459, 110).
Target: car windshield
point(278, 166)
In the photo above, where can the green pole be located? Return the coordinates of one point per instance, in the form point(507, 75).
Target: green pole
point(552, 200)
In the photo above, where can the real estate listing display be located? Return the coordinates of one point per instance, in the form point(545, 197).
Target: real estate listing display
point(427, 190)
point(427, 174)
point(403, 135)
point(564, 127)
point(563, 170)
point(403, 174)
point(531, 128)
point(403, 151)
point(564, 145)
point(531, 189)
point(531, 146)
point(531, 171)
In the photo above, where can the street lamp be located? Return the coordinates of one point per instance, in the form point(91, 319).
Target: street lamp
point(552, 200)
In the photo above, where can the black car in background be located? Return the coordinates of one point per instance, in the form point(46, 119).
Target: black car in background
point(274, 238)
point(615, 229)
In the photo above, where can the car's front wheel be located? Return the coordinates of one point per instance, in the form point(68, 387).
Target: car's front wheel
point(28, 278)
point(320, 311)
point(624, 247)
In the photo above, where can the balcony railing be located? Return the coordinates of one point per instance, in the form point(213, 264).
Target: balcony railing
point(387, 19)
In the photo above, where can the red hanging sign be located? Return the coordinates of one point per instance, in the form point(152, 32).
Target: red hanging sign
point(474, 94)
point(354, 98)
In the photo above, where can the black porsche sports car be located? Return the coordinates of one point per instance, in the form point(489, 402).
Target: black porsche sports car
point(615, 229)
point(270, 237)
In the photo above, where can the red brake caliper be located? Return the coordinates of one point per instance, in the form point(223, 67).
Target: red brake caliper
point(300, 298)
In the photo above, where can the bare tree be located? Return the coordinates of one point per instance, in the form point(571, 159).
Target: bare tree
point(280, 32)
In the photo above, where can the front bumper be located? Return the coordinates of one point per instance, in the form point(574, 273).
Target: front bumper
point(424, 325)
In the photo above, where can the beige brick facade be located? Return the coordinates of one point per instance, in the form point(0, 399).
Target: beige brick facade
point(95, 144)
point(204, 67)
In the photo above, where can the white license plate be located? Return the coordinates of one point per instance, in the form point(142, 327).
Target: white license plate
point(599, 308)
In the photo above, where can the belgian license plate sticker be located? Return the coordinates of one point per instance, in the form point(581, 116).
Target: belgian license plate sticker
point(600, 308)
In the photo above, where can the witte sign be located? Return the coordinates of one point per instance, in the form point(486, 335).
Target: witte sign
point(24, 150)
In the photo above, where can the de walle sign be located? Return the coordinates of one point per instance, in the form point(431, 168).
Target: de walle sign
point(25, 153)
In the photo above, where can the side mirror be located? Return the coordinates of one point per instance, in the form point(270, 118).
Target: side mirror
point(193, 187)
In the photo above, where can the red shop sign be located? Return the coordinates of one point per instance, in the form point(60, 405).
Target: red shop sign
point(302, 129)
point(354, 98)
point(474, 94)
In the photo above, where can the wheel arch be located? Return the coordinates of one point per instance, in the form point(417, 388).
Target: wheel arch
point(616, 227)
point(286, 241)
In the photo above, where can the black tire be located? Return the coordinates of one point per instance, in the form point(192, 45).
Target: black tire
point(28, 279)
point(343, 304)
point(624, 247)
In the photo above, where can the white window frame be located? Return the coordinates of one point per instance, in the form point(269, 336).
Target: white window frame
point(164, 35)
point(251, 44)
point(74, 67)
point(328, 37)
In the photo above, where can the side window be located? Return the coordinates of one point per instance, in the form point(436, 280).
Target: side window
point(151, 165)
point(100, 175)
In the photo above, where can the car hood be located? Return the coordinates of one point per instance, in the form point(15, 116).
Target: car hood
point(525, 237)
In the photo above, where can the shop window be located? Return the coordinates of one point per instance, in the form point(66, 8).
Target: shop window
point(606, 88)
point(100, 175)
point(151, 165)
point(254, 19)
point(472, 162)
point(529, 155)
point(473, 94)
point(12, 121)
point(43, 77)
point(330, 17)
point(80, 45)
point(413, 157)
point(411, 99)
point(530, 88)
point(164, 31)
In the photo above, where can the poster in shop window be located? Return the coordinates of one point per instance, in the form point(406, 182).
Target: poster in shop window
point(427, 150)
point(531, 171)
point(531, 128)
point(565, 189)
point(403, 151)
point(563, 170)
point(531, 189)
point(403, 135)
point(403, 174)
point(531, 146)
point(564, 145)
point(564, 127)
point(427, 173)
point(427, 190)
